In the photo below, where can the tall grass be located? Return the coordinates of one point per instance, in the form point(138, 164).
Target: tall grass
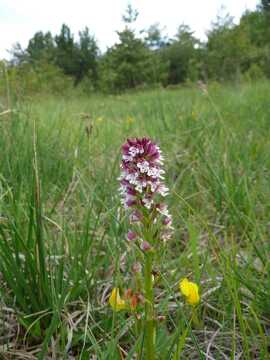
point(62, 235)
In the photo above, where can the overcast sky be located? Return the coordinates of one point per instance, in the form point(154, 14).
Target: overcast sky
point(20, 19)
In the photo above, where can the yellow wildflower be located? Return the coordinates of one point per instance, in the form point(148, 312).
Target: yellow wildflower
point(99, 119)
point(130, 120)
point(116, 302)
point(190, 290)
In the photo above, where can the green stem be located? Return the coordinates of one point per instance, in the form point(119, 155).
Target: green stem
point(149, 309)
point(195, 319)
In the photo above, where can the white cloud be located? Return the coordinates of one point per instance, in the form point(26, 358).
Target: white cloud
point(19, 20)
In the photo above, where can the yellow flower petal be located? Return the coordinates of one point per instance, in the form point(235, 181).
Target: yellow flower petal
point(190, 290)
point(99, 119)
point(193, 298)
point(116, 302)
point(184, 287)
point(130, 120)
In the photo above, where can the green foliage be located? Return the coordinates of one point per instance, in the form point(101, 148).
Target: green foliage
point(154, 38)
point(253, 23)
point(181, 55)
point(148, 58)
point(66, 55)
point(227, 50)
point(128, 64)
point(130, 15)
point(265, 4)
point(254, 73)
point(26, 80)
point(41, 47)
point(62, 235)
point(87, 58)
point(77, 60)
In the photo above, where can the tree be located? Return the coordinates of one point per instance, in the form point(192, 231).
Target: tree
point(265, 5)
point(154, 38)
point(129, 63)
point(87, 57)
point(181, 54)
point(66, 52)
point(126, 64)
point(76, 59)
point(254, 24)
point(80, 59)
point(41, 47)
point(228, 49)
point(18, 55)
point(130, 15)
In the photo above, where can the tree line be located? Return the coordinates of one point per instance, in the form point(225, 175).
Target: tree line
point(231, 51)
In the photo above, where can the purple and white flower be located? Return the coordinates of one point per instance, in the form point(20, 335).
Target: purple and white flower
point(142, 184)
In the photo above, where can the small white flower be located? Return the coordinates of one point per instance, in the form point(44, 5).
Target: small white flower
point(127, 157)
point(143, 166)
point(163, 190)
point(147, 203)
point(132, 178)
point(155, 172)
point(164, 211)
point(133, 151)
point(138, 187)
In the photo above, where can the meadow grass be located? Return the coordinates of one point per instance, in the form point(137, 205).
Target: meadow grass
point(62, 230)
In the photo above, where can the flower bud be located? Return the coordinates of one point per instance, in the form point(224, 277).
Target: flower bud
point(131, 235)
point(145, 246)
point(137, 267)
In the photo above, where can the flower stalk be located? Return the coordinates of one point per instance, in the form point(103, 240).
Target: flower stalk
point(143, 190)
point(149, 309)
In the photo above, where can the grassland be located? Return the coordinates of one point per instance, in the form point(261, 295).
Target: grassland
point(63, 234)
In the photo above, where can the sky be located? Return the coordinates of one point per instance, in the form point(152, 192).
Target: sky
point(20, 19)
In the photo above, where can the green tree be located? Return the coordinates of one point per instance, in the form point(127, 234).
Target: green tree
point(66, 51)
point(18, 55)
point(80, 59)
point(129, 63)
point(228, 49)
point(265, 5)
point(87, 61)
point(182, 56)
point(41, 47)
point(254, 24)
point(154, 38)
point(126, 64)
point(130, 15)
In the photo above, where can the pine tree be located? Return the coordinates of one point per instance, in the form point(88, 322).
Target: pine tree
point(129, 63)
point(88, 52)
point(66, 52)
point(265, 5)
